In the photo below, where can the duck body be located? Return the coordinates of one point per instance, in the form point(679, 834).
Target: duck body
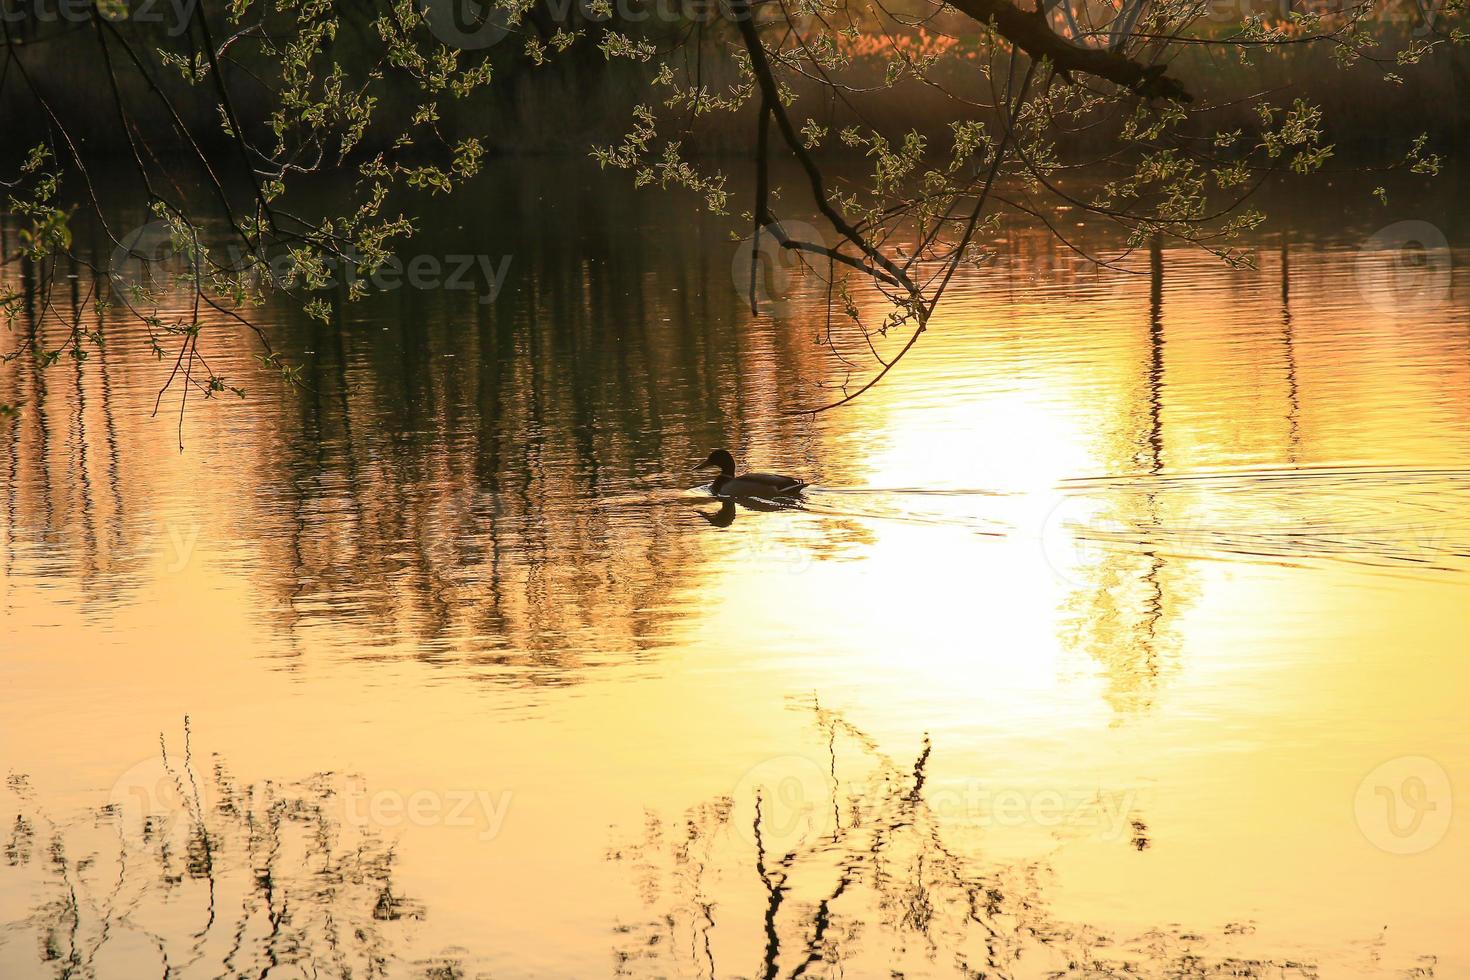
point(759, 485)
point(755, 485)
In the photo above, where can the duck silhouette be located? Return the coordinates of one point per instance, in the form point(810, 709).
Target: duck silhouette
point(725, 516)
point(760, 485)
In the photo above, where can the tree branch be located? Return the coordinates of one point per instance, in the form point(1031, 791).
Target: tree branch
point(1029, 31)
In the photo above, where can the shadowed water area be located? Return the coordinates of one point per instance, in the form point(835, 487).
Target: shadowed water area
point(1121, 633)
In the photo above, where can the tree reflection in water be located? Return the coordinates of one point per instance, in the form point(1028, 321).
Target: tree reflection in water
point(187, 874)
point(850, 866)
point(739, 887)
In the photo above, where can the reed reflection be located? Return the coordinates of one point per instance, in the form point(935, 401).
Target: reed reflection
point(187, 870)
point(840, 863)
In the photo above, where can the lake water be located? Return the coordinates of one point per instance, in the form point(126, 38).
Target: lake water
point(1123, 631)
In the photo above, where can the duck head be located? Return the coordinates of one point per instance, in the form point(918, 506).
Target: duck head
point(722, 459)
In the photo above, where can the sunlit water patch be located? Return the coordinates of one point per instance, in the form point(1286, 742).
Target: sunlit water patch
point(1392, 519)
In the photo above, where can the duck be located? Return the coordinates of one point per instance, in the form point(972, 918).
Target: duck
point(727, 484)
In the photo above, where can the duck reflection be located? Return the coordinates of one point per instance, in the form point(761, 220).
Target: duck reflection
point(723, 517)
point(731, 506)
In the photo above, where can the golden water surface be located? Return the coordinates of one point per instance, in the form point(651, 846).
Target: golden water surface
point(1123, 631)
